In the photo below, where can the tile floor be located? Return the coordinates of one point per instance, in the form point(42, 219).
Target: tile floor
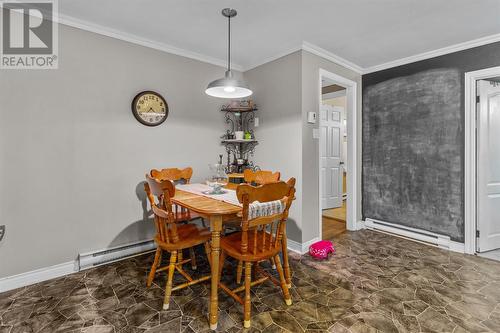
point(374, 283)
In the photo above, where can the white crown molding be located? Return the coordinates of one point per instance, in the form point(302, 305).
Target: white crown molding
point(331, 57)
point(435, 53)
point(305, 46)
point(311, 48)
point(272, 58)
point(134, 39)
point(39, 275)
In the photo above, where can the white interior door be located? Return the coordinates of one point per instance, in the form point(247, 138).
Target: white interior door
point(331, 135)
point(488, 166)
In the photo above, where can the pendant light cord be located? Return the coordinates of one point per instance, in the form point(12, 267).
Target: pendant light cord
point(229, 43)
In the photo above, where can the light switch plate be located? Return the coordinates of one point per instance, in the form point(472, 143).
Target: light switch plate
point(315, 133)
point(311, 117)
point(256, 122)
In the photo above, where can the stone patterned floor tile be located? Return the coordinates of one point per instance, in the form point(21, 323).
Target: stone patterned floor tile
point(374, 283)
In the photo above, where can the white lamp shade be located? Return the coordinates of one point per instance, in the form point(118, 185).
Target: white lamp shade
point(228, 87)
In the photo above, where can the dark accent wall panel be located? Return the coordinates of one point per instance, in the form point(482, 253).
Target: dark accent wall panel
point(413, 141)
point(411, 160)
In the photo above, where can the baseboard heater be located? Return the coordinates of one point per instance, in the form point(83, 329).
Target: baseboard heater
point(106, 256)
point(423, 236)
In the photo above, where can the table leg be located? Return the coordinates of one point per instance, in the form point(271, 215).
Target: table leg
point(215, 228)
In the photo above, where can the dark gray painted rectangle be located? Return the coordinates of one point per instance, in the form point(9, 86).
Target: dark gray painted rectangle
point(463, 61)
point(411, 151)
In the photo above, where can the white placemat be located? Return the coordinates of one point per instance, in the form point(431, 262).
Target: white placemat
point(229, 196)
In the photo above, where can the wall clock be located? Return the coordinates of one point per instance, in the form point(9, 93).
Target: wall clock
point(150, 108)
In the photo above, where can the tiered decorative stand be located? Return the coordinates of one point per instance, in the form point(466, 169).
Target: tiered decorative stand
point(239, 119)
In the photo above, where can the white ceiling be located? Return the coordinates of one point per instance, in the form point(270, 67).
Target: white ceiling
point(364, 32)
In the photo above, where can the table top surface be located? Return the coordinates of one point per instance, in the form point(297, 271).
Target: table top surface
point(204, 205)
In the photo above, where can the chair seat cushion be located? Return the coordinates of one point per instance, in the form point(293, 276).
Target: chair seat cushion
point(232, 246)
point(189, 235)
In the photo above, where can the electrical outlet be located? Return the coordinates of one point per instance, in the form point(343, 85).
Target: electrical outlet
point(2, 232)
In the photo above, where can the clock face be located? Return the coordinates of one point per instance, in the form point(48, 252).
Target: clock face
point(150, 108)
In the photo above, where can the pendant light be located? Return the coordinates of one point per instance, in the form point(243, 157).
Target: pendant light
point(228, 86)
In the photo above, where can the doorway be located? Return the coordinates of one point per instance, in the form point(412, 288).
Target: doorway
point(482, 169)
point(333, 158)
point(337, 114)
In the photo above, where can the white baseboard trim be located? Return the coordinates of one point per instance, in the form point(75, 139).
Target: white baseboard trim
point(457, 247)
point(52, 272)
point(90, 259)
point(360, 225)
point(419, 235)
point(301, 248)
point(38, 275)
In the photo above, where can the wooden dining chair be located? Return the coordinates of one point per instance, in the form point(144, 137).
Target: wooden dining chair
point(181, 214)
point(177, 176)
point(172, 236)
point(260, 238)
point(260, 177)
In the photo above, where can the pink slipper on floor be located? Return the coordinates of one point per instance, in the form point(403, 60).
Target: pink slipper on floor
point(321, 249)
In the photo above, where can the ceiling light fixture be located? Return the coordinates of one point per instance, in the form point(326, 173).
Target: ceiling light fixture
point(228, 86)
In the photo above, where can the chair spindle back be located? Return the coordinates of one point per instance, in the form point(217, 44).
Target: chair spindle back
point(163, 190)
point(267, 231)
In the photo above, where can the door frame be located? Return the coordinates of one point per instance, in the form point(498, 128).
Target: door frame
point(470, 157)
point(353, 199)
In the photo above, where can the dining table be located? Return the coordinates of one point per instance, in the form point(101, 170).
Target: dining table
point(217, 209)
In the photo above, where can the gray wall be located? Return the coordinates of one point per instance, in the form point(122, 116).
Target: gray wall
point(73, 156)
point(310, 147)
point(419, 187)
point(286, 89)
point(277, 91)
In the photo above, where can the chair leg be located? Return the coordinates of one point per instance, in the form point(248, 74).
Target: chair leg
point(284, 286)
point(239, 272)
point(247, 304)
point(193, 258)
point(160, 258)
point(152, 272)
point(273, 264)
point(170, 277)
point(286, 265)
point(180, 257)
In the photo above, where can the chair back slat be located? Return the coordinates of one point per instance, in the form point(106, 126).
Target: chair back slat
point(265, 236)
point(163, 190)
point(260, 177)
point(173, 174)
